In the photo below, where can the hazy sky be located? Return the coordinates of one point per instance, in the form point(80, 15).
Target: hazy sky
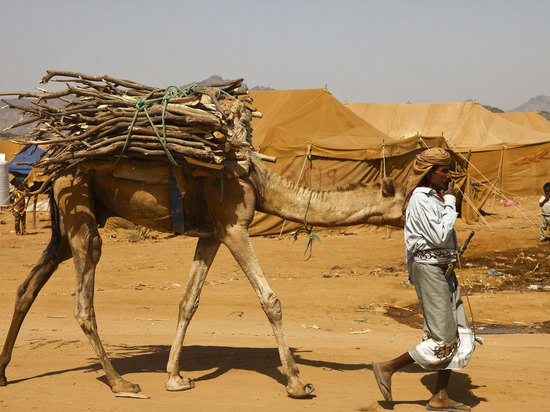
point(379, 51)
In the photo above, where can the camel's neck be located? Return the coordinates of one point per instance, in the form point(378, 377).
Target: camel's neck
point(289, 201)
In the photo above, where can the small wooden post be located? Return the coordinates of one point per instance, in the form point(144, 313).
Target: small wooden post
point(34, 212)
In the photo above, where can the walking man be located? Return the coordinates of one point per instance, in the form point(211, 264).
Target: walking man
point(431, 245)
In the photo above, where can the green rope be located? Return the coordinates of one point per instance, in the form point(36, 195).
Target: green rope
point(308, 229)
point(143, 103)
point(312, 236)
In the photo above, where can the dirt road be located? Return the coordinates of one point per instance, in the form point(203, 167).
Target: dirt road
point(336, 314)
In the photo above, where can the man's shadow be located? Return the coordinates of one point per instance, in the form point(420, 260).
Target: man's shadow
point(460, 388)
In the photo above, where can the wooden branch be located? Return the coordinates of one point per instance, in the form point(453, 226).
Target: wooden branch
point(124, 83)
point(100, 115)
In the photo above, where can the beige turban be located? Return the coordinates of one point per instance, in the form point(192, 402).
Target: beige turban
point(423, 163)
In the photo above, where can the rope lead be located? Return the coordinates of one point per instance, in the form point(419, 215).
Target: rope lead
point(308, 229)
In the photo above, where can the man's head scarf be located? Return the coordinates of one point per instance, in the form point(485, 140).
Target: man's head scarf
point(423, 164)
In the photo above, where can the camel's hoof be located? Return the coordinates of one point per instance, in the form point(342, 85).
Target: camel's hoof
point(302, 391)
point(122, 385)
point(3, 381)
point(177, 383)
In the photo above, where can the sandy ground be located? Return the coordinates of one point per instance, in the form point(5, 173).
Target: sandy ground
point(336, 309)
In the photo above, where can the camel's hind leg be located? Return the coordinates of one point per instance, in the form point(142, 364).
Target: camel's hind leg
point(238, 242)
point(56, 252)
point(75, 206)
point(204, 255)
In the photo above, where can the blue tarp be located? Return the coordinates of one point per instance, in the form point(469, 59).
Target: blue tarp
point(26, 155)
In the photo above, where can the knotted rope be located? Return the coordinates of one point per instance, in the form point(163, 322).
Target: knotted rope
point(143, 103)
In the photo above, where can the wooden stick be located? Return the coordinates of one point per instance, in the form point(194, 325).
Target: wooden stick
point(124, 83)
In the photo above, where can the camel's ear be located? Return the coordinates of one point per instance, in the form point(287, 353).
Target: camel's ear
point(388, 188)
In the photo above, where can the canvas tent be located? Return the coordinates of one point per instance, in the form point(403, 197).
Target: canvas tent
point(505, 156)
point(531, 120)
point(9, 148)
point(343, 148)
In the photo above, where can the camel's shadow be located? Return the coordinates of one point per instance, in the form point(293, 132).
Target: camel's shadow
point(197, 359)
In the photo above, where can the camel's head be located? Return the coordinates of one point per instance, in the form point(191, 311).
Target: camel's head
point(392, 199)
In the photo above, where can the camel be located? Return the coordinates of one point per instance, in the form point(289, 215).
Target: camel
point(217, 211)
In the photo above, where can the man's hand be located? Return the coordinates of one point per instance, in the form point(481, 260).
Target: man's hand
point(451, 189)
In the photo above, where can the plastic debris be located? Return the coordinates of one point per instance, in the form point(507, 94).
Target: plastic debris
point(360, 332)
point(509, 203)
point(131, 395)
point(494, 272)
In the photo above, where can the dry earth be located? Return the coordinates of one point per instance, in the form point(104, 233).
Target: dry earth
point(349, 304)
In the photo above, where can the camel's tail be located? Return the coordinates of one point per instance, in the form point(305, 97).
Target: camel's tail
point(55, 240)
point(50, 258)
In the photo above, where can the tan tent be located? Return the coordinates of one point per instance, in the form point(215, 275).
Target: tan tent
point(9, 148)
point(344, 149)
point(504, 155)
point(531, 120)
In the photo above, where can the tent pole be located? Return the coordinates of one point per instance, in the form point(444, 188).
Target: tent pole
point(499, 176)
point(34, 212)
point(475, 208)
point(501, 168)
point(422, 141)
point(306, 158)
point(454, 149)
point(384, 175)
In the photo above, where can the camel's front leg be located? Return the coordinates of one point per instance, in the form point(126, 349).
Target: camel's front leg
point(204, 256)
point(81, 229)
point(86, 252)
point(238, 242)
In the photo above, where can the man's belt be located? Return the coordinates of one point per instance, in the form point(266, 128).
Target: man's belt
point(458, 254)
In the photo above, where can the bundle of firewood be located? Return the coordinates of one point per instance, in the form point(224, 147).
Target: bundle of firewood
point(105, 118)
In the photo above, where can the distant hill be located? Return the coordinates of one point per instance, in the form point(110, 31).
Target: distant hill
point(215, 79)
point(535, 104)
point(493, 109)
point(490, 108)
point(10, 116)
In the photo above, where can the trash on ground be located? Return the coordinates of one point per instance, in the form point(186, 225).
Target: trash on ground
point(360, 332)
point(494, 272)
point(131, 395)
